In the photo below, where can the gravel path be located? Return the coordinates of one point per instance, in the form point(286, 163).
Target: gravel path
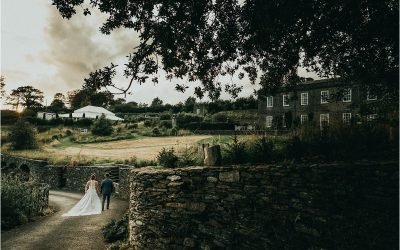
point(57, 232)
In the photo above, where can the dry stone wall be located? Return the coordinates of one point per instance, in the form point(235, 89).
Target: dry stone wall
point(66, 177)
point(265, 207)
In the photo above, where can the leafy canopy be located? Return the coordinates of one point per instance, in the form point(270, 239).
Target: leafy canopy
point(26, 96)
point(265, 40)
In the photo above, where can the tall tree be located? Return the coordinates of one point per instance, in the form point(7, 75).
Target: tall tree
point(156, 102)
point(2, 85)
point(58, 103)
point(26, 96)
point(265, 40)
point(189, 104)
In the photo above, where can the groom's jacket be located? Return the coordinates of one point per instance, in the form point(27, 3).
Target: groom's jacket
point(107, 186)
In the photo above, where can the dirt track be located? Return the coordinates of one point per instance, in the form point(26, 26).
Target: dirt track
point(56, 232)
point(146, 149)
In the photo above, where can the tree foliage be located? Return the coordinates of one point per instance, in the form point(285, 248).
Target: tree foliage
point(265, 40)
point(26, 96)
point(83, 97)
point(23, 136)
point(58, 103)
point(156, 102)
point(2, 85)
point(102, 126)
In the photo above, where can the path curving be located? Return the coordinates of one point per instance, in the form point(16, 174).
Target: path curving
point(57, 232)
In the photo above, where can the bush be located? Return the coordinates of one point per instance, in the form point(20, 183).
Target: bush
point(68, 122)
point(147, 123)
point(166, 124)
point(261, 151)
point(84, 122)
point(156, 132)
point(133, 126)
point(23, 136)
point(8, 116)
point(295, 148)
point(342, 143)
point(236, 151)
point(184, 118)
point(187, 158)
point(102, 126)
point(68, 132)
point(174, 131)
point(19, 202)
point(165, 117)
point(116, 230)
point(167, 158)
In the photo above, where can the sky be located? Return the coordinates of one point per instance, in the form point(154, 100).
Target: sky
point(41, 49)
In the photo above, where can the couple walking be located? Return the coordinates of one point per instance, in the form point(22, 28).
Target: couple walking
point(90, 202)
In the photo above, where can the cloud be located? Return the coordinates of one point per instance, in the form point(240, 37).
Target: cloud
point(76, 47)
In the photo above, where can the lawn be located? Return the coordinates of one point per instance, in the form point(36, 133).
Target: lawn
point(144, 148)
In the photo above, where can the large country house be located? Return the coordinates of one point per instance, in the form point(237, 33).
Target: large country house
point(320, 102)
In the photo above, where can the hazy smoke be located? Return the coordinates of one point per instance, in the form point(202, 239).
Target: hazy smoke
point(77, 47)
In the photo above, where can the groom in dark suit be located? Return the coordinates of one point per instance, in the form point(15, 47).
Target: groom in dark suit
point(107, 187)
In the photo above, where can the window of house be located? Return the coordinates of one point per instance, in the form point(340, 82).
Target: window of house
point(270, 101)
point(285, 99)
point(303, 119)
point(323, 120)
point(372, 117)
point(346, 118)
point(324, 96)
point(347, 95)
point(371, 96)
point(268, 121)
point(304, 98)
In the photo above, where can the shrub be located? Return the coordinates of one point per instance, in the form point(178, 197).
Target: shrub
point(8, 116)
point(165, 117)
point(23, 136)
point(236, 151)
point(68, 132)
point(133, 126)
point(174, 131)
point(68, 122)
point(343, 143)
point(102, 126)
point(167, 158)
point(184, 118)
point(19, 202)
point(295, 148)
point(166, 124)
point(147, 123)
point(28, 113)
point(116, 230)
point(84, 122)
point(261, 151)
point(156, 132)
point(187, 158)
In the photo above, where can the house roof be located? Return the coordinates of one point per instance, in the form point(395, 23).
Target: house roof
point(95, 110)
point(92, 112)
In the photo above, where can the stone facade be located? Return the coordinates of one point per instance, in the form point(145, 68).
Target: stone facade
point(286, 116)
point(265, 207)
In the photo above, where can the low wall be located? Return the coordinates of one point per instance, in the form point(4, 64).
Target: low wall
point(265, 207)
point(124, 183)
point(75, 178)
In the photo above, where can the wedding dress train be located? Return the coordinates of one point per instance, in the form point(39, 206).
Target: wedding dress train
point(88, 205)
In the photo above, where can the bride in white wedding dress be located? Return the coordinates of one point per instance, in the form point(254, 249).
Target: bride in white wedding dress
point(90, 202)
